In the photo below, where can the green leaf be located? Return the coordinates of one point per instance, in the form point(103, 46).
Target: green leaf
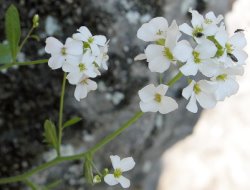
point(5, 56)
point(50, 133)
point(72, 121)
point(13, 29)
point(88, 170)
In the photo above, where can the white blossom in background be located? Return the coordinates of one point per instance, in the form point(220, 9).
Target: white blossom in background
point(225, 81)
point(120, 166)
point(201, 92)
point(154, 30)
point(153, 99)
point(82, 57)
point(201, 27)
point(92, 41)
point(61, 54)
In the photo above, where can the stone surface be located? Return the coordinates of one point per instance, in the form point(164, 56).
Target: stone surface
point(216, 156)
point(29, 95)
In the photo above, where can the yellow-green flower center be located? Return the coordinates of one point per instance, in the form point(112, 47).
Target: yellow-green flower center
point(168, 54)
point(84, 81)
point(208, 21)
point(82, 67)
point(197, 89)
point(157, 98)
point(198, 31)
point(117, 173)
point(222, 77)
point(63, 51)
point(229, 48)
point(196, 56)
point(160, 42)
point(91, 40)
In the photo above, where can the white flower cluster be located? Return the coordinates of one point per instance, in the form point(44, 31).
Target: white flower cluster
point(82, 56)
point(218, 57)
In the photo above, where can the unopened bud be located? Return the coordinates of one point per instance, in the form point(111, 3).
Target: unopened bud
point(97, 179)
point(35, 20)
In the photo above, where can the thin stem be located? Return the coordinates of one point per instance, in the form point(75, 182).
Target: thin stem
point(30, 184)
point(92, 150)
point(8, 65)
point(110, 137)
point(60, 120)
point(26, 38)
point(175, 79)
point(161, 78)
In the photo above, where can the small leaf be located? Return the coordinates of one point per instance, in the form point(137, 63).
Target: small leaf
point(35, 37)
point(13, 30)
point(5, 56)
point(50, 133)
point(88, 171)
point(72, 121)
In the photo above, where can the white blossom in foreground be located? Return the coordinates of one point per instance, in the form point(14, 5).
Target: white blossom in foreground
point(225, 81)
point(201, 91)
point(160, 55)
point(83, 87)
point(198, 59)
point(153, 99)
point(61, 54)
point(90, 40)
point(154, 30)
point(120, 166)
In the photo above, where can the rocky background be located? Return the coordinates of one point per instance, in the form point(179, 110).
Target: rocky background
point(29, 95)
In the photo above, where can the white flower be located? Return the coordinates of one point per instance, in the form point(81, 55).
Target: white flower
point(90, 40)
point(196, 59)
point(202, 27)
point(61, 54)
point(153, 99)
point(120, 166)
point(84, 66)
point(233, 48)
point(102, 58)
point(154, 30)
point(225, 82)
point(202, 92)
point(83, 87)
point(160, 55)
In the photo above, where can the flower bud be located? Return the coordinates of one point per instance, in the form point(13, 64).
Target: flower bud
point(35, 20)
point(97, 179)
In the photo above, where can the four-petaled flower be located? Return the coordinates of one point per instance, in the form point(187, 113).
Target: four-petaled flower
point(120, 166)
point(153, 99)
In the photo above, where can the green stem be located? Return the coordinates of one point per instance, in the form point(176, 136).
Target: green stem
point(60, 120)
point(30, 184)
point(100, 144)
point(110, 137)
point(175, 79)
point(8, 65)
point(26, 38)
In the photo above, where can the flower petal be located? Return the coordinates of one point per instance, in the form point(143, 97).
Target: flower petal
point(127, 164)
point(159, 64)
point(167, 105)
point(190, 68)
point(241, 56)
point(187, 91)
point(206, 48)
point(197, 18)
point(161, 89)
point(80, 92)
point(74, 78)
point(238, 40)
point(56, 62)
point(85, 32)
point(183, 46)
point(91, 85)
point(110, 179)
point(53, 46)
point(147, 93)
point(186, 29)
point(206, 100)
point(95, 49)
point(152, 51)
point(125, 183)
point(74, 47)
point(140, 57)
point(149, 106)
point(100, 40)
point(192, 105)
point(115, 160)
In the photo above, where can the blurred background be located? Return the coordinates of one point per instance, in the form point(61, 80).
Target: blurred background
point(180, 151)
